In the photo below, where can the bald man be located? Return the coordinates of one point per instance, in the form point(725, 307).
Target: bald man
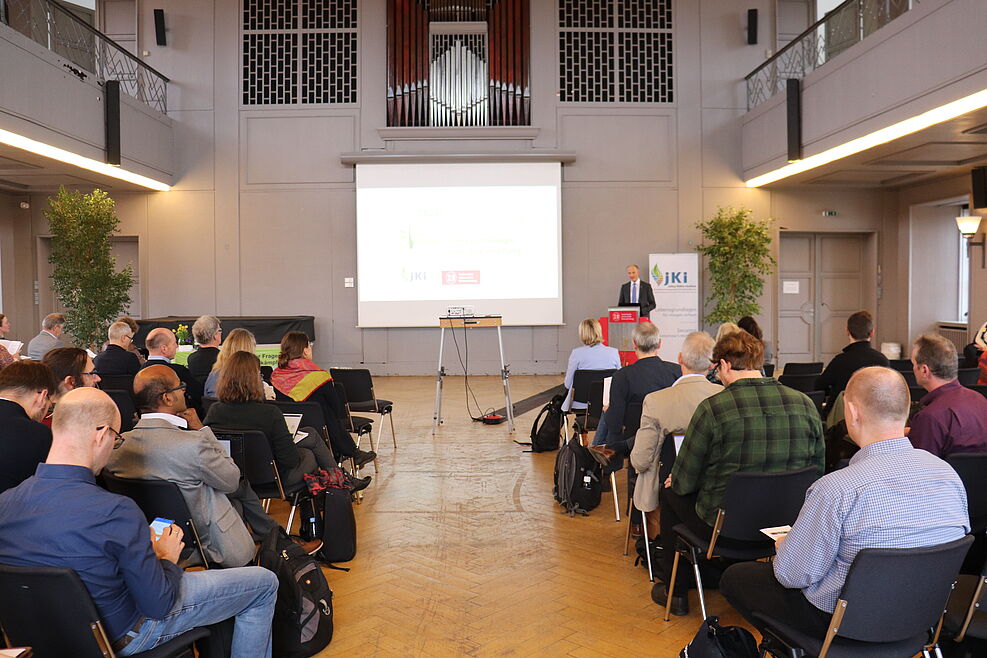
point(162, 346)
point(890, 496)
point(61, 517)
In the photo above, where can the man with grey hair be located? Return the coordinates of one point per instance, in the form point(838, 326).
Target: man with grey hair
point(208, 333)
point(628, 389)
point(953, 418)
point(117, 359)
point(49, 338)
point(669, 411)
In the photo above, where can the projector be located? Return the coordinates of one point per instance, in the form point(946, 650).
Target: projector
point(459, 311)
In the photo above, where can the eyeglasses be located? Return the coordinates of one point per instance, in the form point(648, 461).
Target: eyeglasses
point(119, 438)
point(180, 387)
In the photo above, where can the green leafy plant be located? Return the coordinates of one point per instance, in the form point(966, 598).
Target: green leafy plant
point(738, 257)
point(85, 279)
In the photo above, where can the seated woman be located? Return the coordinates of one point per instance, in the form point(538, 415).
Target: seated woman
point(6, 358)
point(241, 407)
point(593, 355)
point(72, 368)
point(298, 377)
point(239, 340)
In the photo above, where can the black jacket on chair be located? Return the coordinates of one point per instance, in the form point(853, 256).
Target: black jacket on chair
point(646, 297)
point(24, 443)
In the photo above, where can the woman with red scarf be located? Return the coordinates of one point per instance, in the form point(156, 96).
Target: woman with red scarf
point(298, 377)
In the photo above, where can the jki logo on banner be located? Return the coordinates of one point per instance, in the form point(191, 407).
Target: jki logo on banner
point(669, 279)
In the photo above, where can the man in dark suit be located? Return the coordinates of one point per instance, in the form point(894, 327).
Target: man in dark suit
point(26, 388)
point(162, 346)
point(858, 354)
point(630, 386)
point(636, 292)
point(117, 359)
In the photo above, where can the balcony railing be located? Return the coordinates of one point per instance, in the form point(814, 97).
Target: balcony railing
point(90, 52)
point(847, 24)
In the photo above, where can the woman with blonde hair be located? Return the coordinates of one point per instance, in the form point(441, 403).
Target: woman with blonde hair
point(592, 355)
point(238, 340)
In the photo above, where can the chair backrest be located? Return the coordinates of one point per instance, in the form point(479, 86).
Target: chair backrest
point(972, 469)
point(49, 609)
point(980, 388)
point(901, 365)
point(159, 498)
point(207, 402)
point(968, 376)
point(817, 397)
point(594, 405)
point(252, 453)
point(795, 368)
point(582, 379)
point(357, 382)
point(117, 383)
point(632, 418)
point(916, 393)
point(804, 383)
point(311, 411)
point(769, 369)
point(909, 376)
point(763, 500)
point(896, 593)
point(125, 404)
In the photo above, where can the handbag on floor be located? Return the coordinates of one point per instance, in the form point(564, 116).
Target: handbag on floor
point(715, 641)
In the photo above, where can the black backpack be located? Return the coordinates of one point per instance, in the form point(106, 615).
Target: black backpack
point(302, 624)
point(547, 428)
point(715, 641)
point(578, 479)
point(333, 522)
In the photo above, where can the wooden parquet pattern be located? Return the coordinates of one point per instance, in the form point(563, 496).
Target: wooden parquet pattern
point(463, 552)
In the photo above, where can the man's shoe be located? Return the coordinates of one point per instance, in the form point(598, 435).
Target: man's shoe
point(363, 456)
point(357, 484)
point(310, 547)
point(680, 604)
point(602, 454)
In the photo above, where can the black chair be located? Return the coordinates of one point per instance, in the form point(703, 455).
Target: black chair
point(804, 383)
point(769, 369)
point(909, 376)
point(312, 416)
point(972, 469)
point(818, 398)
point(890, 604)
point(359, 385)
point(751, 501)
point(49, 609)
point(965, 613)
point(125, 404)
point(207, 402)
point(359, 425)
point(582, 382)
point(116, 382)
point(901, 365)
point(968, 376)
point(980, 388)
point(252, 453)
point(916, 393)
point(793, 368)
point(161, 498)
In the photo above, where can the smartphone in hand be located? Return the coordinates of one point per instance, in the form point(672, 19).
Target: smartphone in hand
point(159, 524)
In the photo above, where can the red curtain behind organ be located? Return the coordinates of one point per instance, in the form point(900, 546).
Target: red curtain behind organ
point(508, 43)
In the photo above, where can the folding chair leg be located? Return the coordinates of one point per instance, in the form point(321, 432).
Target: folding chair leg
point(394, 437)
point(647, 544)
point(291, 515)
point(627, 540)
point(616, 503)
point(266, 504)
point(699, 582)
point(671, 584)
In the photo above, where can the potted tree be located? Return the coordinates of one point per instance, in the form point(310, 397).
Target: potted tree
point(737, 248)
point(84, 277)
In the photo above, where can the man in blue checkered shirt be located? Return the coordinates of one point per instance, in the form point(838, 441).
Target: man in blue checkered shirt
point(890, 496)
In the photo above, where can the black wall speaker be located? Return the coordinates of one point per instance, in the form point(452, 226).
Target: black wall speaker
point(159, 28)
point(793, 89)
point(111, 107)
point(751, 27)
point(979, 186)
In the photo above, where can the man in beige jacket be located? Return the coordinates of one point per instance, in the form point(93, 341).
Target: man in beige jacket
point(669, 411)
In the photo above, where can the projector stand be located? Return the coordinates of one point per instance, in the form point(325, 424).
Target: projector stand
point(453, 322)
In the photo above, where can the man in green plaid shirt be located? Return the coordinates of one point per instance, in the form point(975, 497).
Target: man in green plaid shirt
point(754, 424)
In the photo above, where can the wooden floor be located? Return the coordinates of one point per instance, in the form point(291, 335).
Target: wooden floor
point(463, 551)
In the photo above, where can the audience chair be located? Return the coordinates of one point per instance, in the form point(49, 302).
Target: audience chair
point(161, 498)
point(972, 469)
point(965, 613)
point(968, 376)
point(818, 398)
point(128, 410)
point(116, 382)
point(49, 609)
point(980, 388)
point(582, 389)
point(917, 393)
point(901, 365)
point(359, 385)
point(752, 501)
point(891, 605)
point(312, 416)
point(794, 368)
point(909, 376)
point(207, 402)
point(251, 451)
point(805, 383)
point(769, 369)
point(359, 425)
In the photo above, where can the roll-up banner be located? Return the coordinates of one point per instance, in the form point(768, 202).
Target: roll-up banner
point(675, 281)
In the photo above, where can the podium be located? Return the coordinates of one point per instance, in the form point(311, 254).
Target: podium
point(618, 330)
point(466, 323)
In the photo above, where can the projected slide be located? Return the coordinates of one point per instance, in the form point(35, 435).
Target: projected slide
point(481, 235)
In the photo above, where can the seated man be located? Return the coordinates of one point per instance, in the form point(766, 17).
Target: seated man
point(26, 389)
point(858, 354)
point(669, 410)
point(169, 443)
point(890, 496)
point(954, 418)
point(117, 359)
point(162, 346)
point(630, 385)
point(49, 338)
point(754, 424)
point(208, 333)
point(60, 517)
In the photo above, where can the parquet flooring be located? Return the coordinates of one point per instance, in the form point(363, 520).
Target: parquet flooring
point(463, 551)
